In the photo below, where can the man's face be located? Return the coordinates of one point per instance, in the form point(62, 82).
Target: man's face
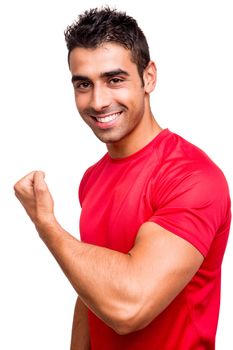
point(108, 91)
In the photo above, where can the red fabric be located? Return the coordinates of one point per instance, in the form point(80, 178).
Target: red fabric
point(174, 184)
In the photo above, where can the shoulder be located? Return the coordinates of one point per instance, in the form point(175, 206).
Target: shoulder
point(176, 147)
point(187, 172)
point(181, 157)
point(190, 194)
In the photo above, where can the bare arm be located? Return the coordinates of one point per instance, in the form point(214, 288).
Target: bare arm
point(80, 339)
point(136, 286)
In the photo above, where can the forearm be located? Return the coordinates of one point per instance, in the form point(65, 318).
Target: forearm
point(80, 338)
point(92, 270)
point(102, 277)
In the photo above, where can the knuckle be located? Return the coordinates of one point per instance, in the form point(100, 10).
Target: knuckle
point(17, 187)
point(39, 189)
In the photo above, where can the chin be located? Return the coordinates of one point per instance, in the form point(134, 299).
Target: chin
point(108, 139)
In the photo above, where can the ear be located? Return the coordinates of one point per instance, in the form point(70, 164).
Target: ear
point(150, 77)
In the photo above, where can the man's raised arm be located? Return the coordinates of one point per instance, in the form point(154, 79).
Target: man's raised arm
point(137, 286)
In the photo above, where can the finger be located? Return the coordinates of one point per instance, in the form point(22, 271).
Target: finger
point(29, 175)
point(25, 182)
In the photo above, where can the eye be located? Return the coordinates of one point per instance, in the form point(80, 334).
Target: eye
point(82, 85)
point(115, 81)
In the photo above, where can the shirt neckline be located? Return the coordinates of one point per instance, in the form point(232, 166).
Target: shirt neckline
point(143, 150)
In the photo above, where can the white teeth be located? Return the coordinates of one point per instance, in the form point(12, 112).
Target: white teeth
point(109, 118)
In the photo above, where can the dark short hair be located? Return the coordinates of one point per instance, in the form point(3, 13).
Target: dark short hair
point(97, 26)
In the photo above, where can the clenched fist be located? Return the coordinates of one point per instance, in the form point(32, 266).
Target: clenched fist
point(32, 191)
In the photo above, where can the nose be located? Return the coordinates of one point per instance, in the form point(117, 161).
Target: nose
point(100, 98)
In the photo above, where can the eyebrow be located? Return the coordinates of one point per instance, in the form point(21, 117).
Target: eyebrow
point(79, 78)
point(111, 73)
point(114, 72)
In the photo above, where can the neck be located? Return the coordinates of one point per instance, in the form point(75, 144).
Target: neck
point(136, 140)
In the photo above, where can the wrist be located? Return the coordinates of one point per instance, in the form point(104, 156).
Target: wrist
point(47, 226)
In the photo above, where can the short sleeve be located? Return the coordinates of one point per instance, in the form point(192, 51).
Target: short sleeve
point(192, 203)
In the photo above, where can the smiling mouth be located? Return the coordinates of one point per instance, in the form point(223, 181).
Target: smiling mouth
point(108, 118)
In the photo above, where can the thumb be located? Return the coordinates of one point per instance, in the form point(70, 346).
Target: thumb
point(43, 197)
point(41, 190)
point(39, 182)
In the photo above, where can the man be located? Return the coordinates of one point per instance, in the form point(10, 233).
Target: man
point(155, 209)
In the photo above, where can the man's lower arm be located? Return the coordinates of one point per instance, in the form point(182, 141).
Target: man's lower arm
point(92, 271)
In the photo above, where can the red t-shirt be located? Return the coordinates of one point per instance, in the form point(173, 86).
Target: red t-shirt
point(174, 184)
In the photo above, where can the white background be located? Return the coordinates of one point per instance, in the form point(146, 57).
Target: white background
point(191, 43)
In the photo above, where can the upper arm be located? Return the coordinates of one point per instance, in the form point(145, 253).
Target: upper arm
point(164, 263)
